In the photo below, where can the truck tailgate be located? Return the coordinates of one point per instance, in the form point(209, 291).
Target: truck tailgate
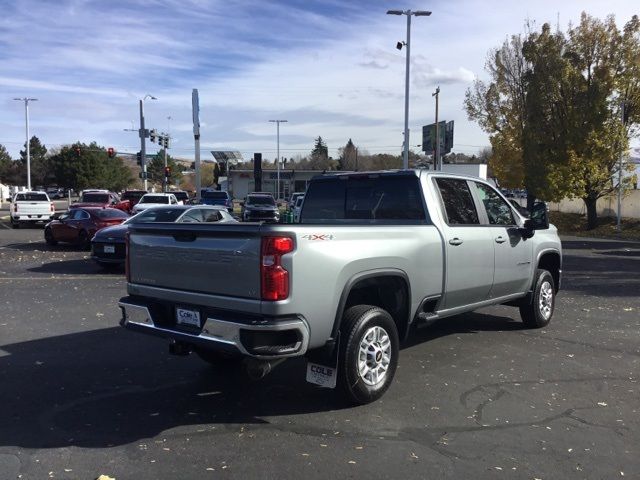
point(200, 258)
point(26, 207)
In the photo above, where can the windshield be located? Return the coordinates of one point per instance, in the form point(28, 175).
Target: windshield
point(154, 199)
point(156, 215)
point(181, 195)
point(262, 200)
point(95, 198)
point(32, 197)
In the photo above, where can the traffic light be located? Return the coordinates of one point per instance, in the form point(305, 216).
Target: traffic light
point(111, 152)
point(139, 158)
point(165, 142)
point(167, 172)
point(153, 134)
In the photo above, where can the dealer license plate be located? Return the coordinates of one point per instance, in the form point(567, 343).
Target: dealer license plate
point(109, 249)
point(188, 317)
point(321, 375)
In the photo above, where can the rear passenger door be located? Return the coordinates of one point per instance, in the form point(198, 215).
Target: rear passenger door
point(512, 251)
point(468, 247)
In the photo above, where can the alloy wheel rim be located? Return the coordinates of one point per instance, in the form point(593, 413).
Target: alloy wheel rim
point(545, 304)
point(374, 356)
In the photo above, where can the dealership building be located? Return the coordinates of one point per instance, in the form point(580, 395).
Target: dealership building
point(241, 182)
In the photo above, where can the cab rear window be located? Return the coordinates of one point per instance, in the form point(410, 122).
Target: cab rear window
point(364, 199)
point(32, 197)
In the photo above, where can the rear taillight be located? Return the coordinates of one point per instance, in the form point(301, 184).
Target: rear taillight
point(127, 269)
point(274, 278)
point(15, 207)
point(53, 208)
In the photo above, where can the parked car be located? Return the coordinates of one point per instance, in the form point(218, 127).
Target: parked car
point(30, 208)
point(260, 207)
point(55, 193)
point(103, 199)
point(216, 197)
point(153, 200)
point(78, 225)
point(133, 196)
point(108, 244)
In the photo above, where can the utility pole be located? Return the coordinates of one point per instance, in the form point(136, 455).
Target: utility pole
point(436, 156)
point(195, 105)
point(165, 146)
point(26, 101)
point(278, 122)
point(143, 140)
point(619, 223)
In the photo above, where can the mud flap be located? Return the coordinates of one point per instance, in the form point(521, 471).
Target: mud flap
point(322, 369)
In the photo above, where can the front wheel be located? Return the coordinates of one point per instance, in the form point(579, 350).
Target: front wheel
point(538, 312)
point(49, 238)
point(368, 356)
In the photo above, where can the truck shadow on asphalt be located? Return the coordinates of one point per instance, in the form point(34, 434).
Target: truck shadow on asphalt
point(83, 266)
point(43, 247)
point(111, 387)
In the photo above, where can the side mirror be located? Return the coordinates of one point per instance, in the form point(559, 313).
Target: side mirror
point(539, 216)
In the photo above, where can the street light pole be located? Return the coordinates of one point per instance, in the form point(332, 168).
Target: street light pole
point(278, 122)
point(143, 138)
point(436, 160)
point(26, 101)
point(408, 13)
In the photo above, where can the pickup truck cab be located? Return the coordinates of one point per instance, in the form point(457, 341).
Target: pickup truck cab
point(31, 208)
point(373, 255)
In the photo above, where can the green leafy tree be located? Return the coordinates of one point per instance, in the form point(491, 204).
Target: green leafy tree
point(80, 166)
point(156, 169)
point(553, 106)
point(39, 163)
point(499, 108)
point(5, 163)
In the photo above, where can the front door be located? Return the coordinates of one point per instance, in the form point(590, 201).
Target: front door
point(468, 246)
point(513, 252)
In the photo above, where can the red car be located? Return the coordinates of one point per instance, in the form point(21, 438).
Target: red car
point(79, 225)
point(103, 199)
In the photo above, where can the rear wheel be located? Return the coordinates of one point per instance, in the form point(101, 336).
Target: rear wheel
point(48, 237)
point(538, 312)
point(368, 356)
point(15, 224)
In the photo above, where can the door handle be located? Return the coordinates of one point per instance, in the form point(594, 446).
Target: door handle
point(455, 241)
point(501, 240)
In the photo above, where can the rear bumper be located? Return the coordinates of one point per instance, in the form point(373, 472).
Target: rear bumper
point(31, 218)
point(264, 338)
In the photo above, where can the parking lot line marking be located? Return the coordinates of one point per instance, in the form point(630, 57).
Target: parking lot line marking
point(5, 226)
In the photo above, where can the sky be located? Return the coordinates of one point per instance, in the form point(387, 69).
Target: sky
point(330, 68)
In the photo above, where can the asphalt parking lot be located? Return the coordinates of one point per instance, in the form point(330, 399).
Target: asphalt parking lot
point(475, 396)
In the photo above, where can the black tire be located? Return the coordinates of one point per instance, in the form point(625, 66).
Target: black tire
point(48, 237)
point(15, 224)
point(363, 324)
point(83, 240)
point(538, 312)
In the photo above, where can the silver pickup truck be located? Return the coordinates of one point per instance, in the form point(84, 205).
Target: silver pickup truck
point(373, 255)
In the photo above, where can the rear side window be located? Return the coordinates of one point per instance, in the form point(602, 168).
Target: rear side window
point(458, 202)
point(364, 199)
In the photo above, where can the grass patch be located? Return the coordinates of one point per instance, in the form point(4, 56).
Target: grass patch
point(576, 224)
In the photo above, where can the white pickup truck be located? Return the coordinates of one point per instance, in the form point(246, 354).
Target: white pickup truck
point(31, 207)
